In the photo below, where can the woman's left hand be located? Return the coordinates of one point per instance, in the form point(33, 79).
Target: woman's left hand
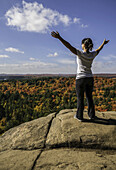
point(105, 42)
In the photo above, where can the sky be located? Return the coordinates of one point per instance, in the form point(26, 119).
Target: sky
point(26, 44)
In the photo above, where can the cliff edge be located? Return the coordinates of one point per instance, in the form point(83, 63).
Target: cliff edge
point(58, 141)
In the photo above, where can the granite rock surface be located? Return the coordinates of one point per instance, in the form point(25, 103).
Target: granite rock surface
point(58, 141)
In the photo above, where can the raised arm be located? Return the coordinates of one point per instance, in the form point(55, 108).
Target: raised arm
point(67, 44)
point(101, 46)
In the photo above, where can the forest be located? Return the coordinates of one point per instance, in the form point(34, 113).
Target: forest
point(28, 99)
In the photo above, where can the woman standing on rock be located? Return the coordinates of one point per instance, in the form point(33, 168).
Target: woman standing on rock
point(84, 78)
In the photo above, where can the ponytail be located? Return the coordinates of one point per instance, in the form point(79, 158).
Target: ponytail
point(88, 43)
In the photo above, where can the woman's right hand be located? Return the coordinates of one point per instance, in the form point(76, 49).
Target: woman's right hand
point(55, 34)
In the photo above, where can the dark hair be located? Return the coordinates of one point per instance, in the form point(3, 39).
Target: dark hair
point(88, 43)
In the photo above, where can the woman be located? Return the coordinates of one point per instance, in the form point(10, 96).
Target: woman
point(84, 78)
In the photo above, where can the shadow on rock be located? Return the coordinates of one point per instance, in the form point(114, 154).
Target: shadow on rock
point(101, 121)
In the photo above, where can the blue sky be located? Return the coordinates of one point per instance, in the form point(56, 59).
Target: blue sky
point(26, 46)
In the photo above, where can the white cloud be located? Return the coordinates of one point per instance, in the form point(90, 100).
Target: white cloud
point(104, 67)
point(37, 64)
point(28, 67)
point(4, 56)
point(10, 49)
point(9, 65)
point(76, 20)
point(84, 26)
point(109, 57)
point(66, 61)
point(34, 17)
point(53, 55)
point(32, 59)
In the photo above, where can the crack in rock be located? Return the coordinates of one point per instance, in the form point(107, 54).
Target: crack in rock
point(34, 163)
point(49, 126)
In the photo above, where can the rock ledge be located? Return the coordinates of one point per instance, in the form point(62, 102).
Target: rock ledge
point(58, 141)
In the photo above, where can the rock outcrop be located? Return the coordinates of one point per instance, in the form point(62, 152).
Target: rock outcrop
point(58, 141)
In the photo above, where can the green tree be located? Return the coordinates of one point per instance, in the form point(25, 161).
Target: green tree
point(107, 92)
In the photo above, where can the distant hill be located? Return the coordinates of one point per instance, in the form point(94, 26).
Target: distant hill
point(28, 76)
point(105, 75)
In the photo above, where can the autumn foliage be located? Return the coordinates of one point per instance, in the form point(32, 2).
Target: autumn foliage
point(25, 100)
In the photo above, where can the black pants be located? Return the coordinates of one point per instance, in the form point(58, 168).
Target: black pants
point(85, 85)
